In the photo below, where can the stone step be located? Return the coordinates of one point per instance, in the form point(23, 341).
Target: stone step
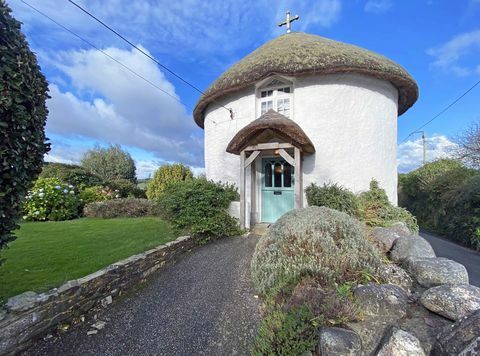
point(259, 229)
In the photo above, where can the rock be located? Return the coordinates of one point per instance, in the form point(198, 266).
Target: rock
point(92, 332)
point(99, 325)
point(106, 301)
point(410, 247)
point(401, 228)
point(22, 301)
point(337, 341)
point(461, 338)
point(452, 301)
point(394, 274)
point(384, 237)
point(398, 342)
point(431, 272)
point(381, 299)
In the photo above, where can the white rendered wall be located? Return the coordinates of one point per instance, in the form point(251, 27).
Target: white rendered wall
point(351, 120)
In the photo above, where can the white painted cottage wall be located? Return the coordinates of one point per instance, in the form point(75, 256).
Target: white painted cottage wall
point(350, 118)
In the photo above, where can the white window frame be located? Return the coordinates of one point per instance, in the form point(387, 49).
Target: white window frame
point(275, 96)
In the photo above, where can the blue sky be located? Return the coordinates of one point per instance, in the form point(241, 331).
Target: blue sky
point(96, 101)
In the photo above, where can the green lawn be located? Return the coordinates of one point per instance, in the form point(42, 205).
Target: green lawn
point(46, 254)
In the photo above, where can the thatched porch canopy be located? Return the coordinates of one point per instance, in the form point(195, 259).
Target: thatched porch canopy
point(271, 124)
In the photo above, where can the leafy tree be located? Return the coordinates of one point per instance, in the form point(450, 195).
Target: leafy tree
point(23, 113)
point(71, 174)
point(110, 163)
point(165, 175)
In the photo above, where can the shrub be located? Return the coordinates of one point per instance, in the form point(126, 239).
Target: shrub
point(110, 163)
point(50, 199)
point(23, 113)
point(124, 207)
point(290, 332)
point(200, 206)
point(332, 196)
point(125, 188)
point(71, 174)
point(374, 209)
point(165, 175)
point(315, 241)
point(97, 193)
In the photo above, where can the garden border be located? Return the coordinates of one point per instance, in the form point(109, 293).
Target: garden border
point(29, 315)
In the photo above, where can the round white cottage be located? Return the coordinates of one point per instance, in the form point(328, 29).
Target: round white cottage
point(304, 109)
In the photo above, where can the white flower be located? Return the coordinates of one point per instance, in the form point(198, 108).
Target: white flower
point(37, 213)
point(25, 217)
point(65, 191)
point(41, 195)
point(41, 190)
point(58, 187)
point(117, 196)
point(116, 190)
point(70, 186)
point(72, 192)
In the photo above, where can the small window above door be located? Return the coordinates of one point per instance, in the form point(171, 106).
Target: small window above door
point(277, 95)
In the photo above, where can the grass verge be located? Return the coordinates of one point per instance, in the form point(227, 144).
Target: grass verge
point(47, 254)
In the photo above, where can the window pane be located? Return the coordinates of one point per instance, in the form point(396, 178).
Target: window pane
point(286, 90)
point(287, 175)
point(268, 175)
point(263, 94)
point(270, 93)
point(277, 175)
point(286, 103)
point(269, 105)
point(280, 105)
point(264, 108)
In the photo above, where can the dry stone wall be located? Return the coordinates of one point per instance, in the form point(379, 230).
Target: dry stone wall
point(30, 315)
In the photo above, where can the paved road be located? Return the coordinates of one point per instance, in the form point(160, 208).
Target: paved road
point(202, 305)
point(469, 258)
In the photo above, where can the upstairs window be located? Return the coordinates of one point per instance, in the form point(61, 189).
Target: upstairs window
point(276, 95)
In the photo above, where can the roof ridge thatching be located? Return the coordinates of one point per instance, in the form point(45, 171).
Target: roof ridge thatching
point(297, 54)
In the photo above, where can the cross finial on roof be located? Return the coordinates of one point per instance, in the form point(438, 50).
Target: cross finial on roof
point(288, 21)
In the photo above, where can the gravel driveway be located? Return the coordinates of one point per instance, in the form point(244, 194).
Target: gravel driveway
point(202, 305)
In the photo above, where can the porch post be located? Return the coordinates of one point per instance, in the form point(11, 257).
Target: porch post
point(242, 189)
point(298, 179)
point(253, 193)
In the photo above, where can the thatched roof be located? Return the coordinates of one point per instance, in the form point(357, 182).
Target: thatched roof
point(296, 54)
point(276, 123)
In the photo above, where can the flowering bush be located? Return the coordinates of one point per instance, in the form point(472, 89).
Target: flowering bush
point(97, 193)
point(50, 199)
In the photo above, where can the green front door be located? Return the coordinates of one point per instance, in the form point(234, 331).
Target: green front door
point(277, 188)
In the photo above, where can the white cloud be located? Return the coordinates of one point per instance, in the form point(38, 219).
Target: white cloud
point(111, 105)
point(378, 6)
point(449, 55)
point(410, 153)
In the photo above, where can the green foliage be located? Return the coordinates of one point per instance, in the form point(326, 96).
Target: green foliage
point(50, 199)
point(124, 207)
point(23, 113)
point(317, 241)
point(332, 196)
point(444, 195)
point(374, 209)
point(70, 174)
point(110, 163)
point(96, 193)
point(290, 332)
point(200, 206)
point(125, 188)
point(165, 175)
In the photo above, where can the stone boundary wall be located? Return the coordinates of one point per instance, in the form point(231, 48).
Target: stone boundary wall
point(30, 315)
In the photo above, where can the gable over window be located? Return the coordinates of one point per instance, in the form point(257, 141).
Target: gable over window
point(275, 94)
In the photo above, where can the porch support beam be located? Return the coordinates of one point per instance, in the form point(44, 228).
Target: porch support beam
point(242, 190)
point(287, 157)
point(298, 179)
point(268, 146)
point(251, 158)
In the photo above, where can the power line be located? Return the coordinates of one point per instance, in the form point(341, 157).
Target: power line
point(103, 52)
point(443, 111)
point(143, 52)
